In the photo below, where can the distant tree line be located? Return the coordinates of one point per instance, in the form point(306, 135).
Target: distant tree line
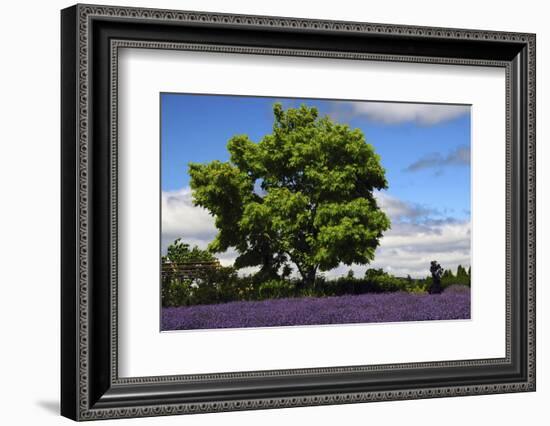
point(223, 284)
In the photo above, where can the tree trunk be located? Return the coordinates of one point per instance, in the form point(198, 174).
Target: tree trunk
point(308, 277)
point(308, 273)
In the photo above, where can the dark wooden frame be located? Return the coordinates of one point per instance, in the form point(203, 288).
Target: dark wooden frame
point(90, 386)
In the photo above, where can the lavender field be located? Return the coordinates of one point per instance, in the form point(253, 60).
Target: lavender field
point(454, 303)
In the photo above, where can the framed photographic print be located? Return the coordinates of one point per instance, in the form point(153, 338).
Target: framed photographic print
point(263, 212)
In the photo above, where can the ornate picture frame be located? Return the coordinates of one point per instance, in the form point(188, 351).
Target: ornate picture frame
point(91, 37)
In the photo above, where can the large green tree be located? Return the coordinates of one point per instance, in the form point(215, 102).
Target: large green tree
point(303, 194)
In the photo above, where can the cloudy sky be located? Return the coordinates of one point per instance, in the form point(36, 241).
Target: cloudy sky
point(425, 149)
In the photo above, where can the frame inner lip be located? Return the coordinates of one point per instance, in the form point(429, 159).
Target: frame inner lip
point(115, 45)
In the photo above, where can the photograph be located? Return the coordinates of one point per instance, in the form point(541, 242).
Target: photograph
point(280, 211)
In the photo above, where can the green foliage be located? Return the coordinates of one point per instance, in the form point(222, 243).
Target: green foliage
point(176, 292)
point(219, 284)
point(276, 289)
point(180, 252)
point(373, 274)
point(315, 208)
point(213, 285)
point(223, 285)
point(462, 277)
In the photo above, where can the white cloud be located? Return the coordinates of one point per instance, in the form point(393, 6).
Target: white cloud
point(409, 250)
point(398, 209)
point(399, 112)
point(181, 219)
point(415, 239)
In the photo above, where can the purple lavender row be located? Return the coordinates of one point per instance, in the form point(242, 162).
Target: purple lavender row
point(453, 304)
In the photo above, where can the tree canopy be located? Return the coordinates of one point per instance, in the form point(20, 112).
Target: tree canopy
point(302, 194)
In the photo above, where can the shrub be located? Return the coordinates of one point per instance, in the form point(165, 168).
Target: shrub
point(215, 285)
point(223, 284)
point(276, 289)
point(176, 292)
point(219, 285)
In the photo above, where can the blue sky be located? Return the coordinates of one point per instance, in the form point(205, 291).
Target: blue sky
point(425, 148)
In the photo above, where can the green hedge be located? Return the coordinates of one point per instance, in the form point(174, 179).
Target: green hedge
point(223, 285)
